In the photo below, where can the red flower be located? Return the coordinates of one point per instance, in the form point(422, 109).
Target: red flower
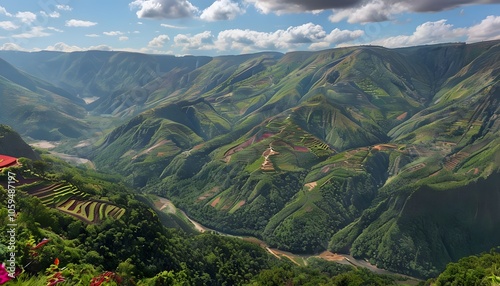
point(41, 243)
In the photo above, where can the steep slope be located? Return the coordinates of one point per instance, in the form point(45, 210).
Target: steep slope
point(331, 150)
point(359, 150)
point(38, 109)
point(100, 77)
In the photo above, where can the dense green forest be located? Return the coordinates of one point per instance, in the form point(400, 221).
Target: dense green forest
point(138, 250)
point(388, 156)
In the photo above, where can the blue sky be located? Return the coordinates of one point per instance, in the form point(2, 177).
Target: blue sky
point(202, 27)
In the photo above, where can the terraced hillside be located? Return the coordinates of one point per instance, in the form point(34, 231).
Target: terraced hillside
point(328, 150)
point(69, 199)
point(391, 155)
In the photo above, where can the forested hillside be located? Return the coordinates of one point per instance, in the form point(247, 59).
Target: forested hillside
point(390, 155)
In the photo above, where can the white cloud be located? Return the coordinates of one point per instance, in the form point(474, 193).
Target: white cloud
point(201, 41)
point(35, 32)
point(92, 35)
point(486, 30)
point(123, 38)
point(8, 25)
point(247, 40)
point(12, 47)
point(63, 47)
point(372, 11)
point(113, 33)
point(26, 17)
point(337, 37)
point(159, 41)
point(54, 14)
point(426, 33)
point(222, 10)
point(64, 7)
point(3, 11)
point(164, 9)
point(79, 23)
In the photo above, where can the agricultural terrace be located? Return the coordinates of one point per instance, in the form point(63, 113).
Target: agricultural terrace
point(67, 198)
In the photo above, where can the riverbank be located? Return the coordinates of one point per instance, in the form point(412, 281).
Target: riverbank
point(165, 205)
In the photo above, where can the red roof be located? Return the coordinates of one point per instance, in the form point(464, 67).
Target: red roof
point(7, 161)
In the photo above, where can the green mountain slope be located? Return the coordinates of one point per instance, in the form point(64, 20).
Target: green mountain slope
point(341, 149)
point(38, 109)
point(387, 154)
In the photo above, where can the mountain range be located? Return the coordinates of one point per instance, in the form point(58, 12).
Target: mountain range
point(391, 155)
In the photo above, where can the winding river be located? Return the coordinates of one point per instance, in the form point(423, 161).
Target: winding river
point(165, 205)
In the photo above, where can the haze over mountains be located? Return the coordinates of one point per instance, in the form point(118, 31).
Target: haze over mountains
point(388, 154)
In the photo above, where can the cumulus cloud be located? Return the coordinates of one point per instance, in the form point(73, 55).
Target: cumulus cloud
point(295, 6)
point(159, 41)
point(164, 9)
point(113, 33)
point(79, 23)
point(26, 17)
point(64, 7)
point(201, 41)
point(34, 32)
point(486, 30)
point(372, 11)
point(293, 37)
point(8, 25)
point(63, 47)
point(123, 38)
point(427, 33)
point(12, 47)
point(92, 35)
point(247, 40)
point(222, 10)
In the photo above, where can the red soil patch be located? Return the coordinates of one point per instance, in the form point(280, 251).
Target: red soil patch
point(325, 169)
point(330, 256)
point(197, 147)
point(381, 147)
point(476, 171)
point(254, 139)
point(311, 185)
point(300, 149)
point(402, 116)
point(73, 206)
point(209, 194)
point(241, 203)
point(96, 212)
point(215, 202)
